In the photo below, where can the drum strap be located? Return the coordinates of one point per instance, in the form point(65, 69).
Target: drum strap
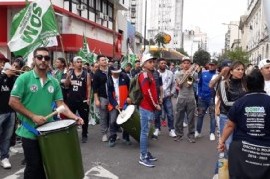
point(30, 128)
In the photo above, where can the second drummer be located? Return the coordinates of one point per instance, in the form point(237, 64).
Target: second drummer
point(31, 97)
point(118, 85)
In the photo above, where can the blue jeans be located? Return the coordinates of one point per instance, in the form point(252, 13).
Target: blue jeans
point(222, 122)
point(146, 117)
point(203, 105)
point(7, 122)
point(168, 108)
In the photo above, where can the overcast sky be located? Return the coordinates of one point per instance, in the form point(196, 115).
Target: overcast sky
point(209, 16)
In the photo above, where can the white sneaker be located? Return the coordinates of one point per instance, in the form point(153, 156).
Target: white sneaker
point(212, 137)
point(172, 133)
point(185, 124)
point(104, 138)
point(215, 176)
point(156, 132)
point(92, 122)
point(197, 134)
point(13, 150)
point(5, 163)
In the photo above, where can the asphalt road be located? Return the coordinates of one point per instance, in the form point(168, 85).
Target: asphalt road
point(179, 160)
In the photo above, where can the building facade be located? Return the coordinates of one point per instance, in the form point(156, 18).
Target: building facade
point(232, 36)
point(254, 30)
point(194, 40)
point(162, 16)
point(98, 20)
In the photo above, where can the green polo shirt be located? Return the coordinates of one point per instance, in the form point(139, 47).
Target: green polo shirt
point(35, 97)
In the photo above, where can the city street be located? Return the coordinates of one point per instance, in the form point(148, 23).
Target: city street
point(175, 159)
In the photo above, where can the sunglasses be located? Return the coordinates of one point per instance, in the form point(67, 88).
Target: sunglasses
point(40, 57)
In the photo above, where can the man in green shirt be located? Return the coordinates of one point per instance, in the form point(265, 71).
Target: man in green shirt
point(31, 97)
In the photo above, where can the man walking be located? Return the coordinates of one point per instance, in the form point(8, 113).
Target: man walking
point(147, 107)
point(206, 100)
point(185, 101)
point(168, 91)
point(78, 80)
point(101, 94)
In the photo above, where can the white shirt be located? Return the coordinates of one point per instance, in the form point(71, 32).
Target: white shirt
point(116, 89)
point(267, 87)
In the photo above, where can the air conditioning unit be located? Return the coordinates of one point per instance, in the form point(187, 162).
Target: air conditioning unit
point(81, 7)
point(106, 18)
point(100, 15)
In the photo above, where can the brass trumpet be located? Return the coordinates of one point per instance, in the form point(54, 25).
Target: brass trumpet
point(190, 80)
point(188, 77)
point(7, 66)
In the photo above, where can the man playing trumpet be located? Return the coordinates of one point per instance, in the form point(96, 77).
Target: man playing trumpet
point(186, 100)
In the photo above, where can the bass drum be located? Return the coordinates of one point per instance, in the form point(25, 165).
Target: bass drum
point(129, 120)
point(60, 150)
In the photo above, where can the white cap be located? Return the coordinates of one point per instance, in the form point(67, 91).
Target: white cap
point(145, 58)
point(185, 58)
point(263, 63)
point(76, 58)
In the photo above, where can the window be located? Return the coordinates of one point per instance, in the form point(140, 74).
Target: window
point(104, 7)
point(98, 5)
point(110, 10)
point(91, 3)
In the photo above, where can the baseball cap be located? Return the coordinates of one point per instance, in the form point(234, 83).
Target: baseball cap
point(145, 58)
point(76, 58)
point(212, 61)
point(115, 68)
point(2, 57)
point(226, 63)
point(263, 63)
point(185, 58)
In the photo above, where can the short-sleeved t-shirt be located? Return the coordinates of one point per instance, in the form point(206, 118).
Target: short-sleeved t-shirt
point(185, 92)
point(251, 114)
point(36, 97)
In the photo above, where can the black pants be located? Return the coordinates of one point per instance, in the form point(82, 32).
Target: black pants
point(34, 166)
point(83, 110)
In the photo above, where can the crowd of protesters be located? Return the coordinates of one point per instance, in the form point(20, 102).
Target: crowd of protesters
point(198, 91)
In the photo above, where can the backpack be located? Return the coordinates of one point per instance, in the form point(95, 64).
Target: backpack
point(135, 93)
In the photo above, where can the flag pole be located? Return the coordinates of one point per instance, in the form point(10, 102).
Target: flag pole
point(60, 37)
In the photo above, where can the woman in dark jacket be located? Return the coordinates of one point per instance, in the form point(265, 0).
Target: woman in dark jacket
point(230, 89)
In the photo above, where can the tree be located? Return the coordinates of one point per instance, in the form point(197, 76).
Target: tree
point(201, 57)
point(236, 54)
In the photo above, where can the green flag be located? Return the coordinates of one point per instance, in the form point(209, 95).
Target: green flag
point(85, 53)
point(124, 62)
point(131, 57)
point(34, 26)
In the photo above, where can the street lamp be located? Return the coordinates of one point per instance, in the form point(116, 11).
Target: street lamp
point(238, 39)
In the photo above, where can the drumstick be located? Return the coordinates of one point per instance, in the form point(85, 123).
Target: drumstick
point(120, 113)
point(119, 110)
point(60, 109)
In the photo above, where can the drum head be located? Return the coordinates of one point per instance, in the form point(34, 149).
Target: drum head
point(125, 114)
point(51, 126)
